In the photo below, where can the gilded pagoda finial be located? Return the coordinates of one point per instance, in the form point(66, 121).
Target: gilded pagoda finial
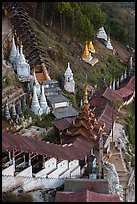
point(21, 45)
point(15, 33)
point(86, 95)
point(109, 37)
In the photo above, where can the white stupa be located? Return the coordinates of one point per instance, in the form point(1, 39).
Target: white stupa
point(118, 83)
point(13, 111)
point(69, 83)
point(110, 85)
point(38, 91)
point(114, 85)
point(109, 45)
point(35, 106)
point(43, 102)
point(121, 78)
point(6, 111)
point(131, 62)
point(23, 68)
point(102, 34)
point(125, 74)
point(16, 61)
point(13, 51)
point(130, 67)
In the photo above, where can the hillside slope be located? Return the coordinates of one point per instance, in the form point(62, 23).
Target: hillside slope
point(57, 54)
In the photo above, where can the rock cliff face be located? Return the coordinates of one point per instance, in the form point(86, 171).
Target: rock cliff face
point(8, 75)
point(113, 180)
point(131, 189)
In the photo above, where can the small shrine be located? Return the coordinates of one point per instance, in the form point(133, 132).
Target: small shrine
point(86, 56)
point(108, 44)
point(69, 84)
point(102, 34)
point(91, 47)
point(41, 72)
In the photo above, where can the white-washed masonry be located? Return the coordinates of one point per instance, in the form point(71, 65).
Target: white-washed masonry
point(52, 174)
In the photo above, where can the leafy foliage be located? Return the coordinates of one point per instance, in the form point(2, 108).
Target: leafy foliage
point(120, 21)
point(72, 98)
point(130, 126)
point(24, 197)
point(11, 197)
point(45, 121)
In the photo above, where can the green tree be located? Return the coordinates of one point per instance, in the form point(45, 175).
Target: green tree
point(83, 28)
point(24, 197)
point(94, 13)
point(62, 8)
point(9, 197)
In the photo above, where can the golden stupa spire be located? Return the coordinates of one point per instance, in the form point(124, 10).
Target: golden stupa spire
point(86, 94)
point(109, 37)
point(91, 47)
point(21, 45)
point(15, 33)
point(86, 52)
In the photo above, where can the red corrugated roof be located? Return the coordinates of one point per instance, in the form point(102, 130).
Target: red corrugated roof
point(79, 149)
point(85, 196)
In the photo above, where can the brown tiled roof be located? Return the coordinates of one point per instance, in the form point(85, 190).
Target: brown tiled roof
point(123, 53)
point(111, 95)
point(104, 115)
point(64, 123)
point(96, 185)
point(85, 196)
point(99, 102)
point(127, 90)
point(80, 148)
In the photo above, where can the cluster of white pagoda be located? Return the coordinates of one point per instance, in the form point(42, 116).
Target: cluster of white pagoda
point(39, 102)
point(18, 61)
point(115, 84)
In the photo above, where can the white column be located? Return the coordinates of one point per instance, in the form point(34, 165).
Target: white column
point(29, 162)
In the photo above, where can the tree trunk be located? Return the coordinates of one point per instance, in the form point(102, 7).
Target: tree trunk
point(51, 22)
point(42, 11)
point(61, 26)
point(64, 24)
point(34, 8)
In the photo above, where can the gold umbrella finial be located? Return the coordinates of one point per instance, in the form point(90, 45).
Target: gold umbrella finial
point(86, 94)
